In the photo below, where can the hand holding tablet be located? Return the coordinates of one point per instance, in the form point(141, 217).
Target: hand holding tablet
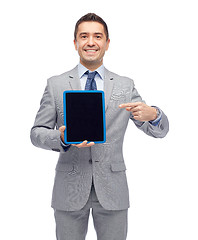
point(80, 145)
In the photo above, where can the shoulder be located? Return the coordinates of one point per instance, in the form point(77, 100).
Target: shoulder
point(119, 79)
point(62, 78)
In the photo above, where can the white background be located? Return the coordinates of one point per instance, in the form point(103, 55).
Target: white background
point(154, 42)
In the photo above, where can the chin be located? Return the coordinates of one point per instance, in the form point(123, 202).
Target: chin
point(91, 60)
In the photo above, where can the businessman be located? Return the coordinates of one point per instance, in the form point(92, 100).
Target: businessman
point(92, 176)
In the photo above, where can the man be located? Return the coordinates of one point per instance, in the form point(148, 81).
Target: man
point(89, 175)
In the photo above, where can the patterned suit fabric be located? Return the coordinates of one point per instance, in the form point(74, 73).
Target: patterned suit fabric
point(102, 164)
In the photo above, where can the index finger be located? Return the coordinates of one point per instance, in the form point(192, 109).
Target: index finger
point(132, 104)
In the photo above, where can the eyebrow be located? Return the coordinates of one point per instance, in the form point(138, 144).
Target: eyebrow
point(96, 33)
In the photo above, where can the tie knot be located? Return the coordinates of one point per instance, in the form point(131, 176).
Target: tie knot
point(91, 75)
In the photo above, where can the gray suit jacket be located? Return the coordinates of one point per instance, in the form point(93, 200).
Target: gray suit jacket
point(102, 163)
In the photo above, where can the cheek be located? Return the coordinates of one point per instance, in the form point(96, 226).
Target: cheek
point(78, 47)
point(104, 47)
point(103, 50)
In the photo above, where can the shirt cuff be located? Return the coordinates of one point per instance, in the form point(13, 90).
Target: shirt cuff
point(159, 116)
point(64, 145)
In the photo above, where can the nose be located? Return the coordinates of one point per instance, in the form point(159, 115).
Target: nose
point(90, 41)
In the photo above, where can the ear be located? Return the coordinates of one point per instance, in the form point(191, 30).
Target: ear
point(107, 44)
point(75, 44)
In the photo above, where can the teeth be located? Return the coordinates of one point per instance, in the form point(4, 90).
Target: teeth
point(91, 50)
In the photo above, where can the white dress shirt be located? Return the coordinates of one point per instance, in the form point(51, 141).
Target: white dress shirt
point(99, 78)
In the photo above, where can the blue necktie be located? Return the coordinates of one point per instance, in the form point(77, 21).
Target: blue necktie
point(91, 83)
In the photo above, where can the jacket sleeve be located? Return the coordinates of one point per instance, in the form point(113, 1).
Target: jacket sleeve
point(158, 131)
point(43, 133)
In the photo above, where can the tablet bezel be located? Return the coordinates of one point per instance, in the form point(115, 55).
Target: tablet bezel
point(65, 118)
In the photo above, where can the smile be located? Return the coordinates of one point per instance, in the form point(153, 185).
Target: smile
point(91, 51)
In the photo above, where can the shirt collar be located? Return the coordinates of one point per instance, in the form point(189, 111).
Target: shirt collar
point(82, 70)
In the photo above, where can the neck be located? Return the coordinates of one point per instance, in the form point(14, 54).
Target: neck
point(91, 66)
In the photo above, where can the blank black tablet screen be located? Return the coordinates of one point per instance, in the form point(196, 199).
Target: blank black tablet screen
point(84, 116)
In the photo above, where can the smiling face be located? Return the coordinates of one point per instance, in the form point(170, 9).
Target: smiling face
point(91, 44)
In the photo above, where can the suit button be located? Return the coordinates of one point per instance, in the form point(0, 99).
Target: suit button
point(90, 161)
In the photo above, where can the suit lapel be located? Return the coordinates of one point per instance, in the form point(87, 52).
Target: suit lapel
point(74, 80)
point(108, 87)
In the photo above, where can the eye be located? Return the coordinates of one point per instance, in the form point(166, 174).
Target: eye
point(98, 37)
point(83, 36)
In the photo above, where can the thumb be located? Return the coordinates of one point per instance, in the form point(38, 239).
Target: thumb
point(62, 129)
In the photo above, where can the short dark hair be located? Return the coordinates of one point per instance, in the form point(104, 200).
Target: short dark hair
point(91, 17)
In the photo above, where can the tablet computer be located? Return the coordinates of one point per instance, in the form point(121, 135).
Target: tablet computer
point(84, 116)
